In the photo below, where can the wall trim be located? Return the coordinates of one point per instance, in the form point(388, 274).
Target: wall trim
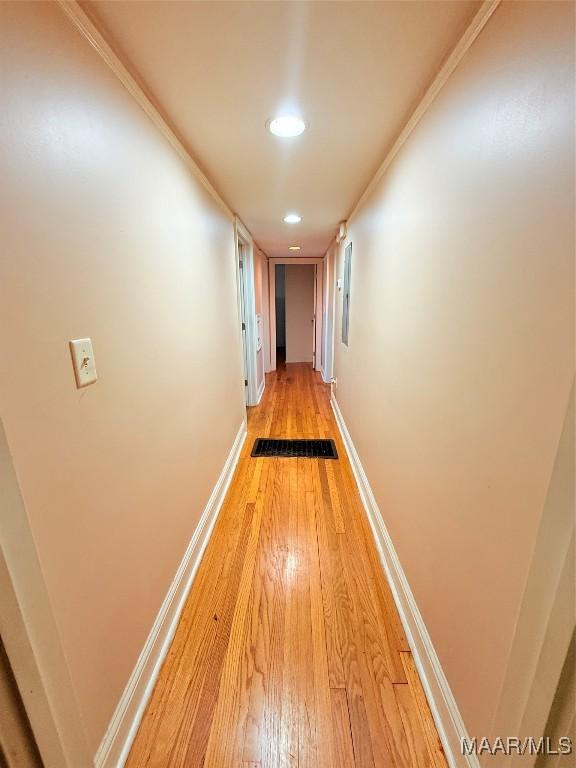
point(261, 389)
point(449, 722)
point(115, 746)
point(471, 33)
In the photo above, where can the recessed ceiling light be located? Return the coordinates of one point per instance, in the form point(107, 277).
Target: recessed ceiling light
point(292, 218)
point(287, 126)
point(293, 247)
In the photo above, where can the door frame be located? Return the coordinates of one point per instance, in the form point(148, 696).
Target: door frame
point(318, 305)
point(244, 246)
point(30, 633)
point(546, 619)
point(242, 265)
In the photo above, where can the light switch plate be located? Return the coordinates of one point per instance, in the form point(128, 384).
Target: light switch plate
point(83, 362)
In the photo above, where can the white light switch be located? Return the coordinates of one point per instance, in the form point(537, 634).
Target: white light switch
point(83, 361)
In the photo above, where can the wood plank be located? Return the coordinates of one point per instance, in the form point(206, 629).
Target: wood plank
point(257, 645)
point(228, 711)
point(341, 725)
point(339, 523)
point(347, 633)
point(324, 743)
point(329, 584)
point(291, 565)
point(419, 754)
point(435, 747)
point(271, 742)
point(307, 721)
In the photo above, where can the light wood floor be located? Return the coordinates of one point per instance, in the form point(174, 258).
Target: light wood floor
point(289, 651)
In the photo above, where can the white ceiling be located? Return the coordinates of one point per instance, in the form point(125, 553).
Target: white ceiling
point(220, 70)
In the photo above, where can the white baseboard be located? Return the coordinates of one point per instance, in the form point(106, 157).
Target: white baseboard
point(261, 389)
point(325, 378)
point(115, 746)
point(451, 728)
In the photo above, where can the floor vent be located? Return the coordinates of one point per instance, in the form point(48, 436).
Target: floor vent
point(305, 449)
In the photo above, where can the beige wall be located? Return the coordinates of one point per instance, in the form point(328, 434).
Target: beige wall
point(105, 233)
point(300, 301)
point(456, 380)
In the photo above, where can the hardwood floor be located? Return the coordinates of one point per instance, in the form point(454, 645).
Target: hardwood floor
point(290, 652)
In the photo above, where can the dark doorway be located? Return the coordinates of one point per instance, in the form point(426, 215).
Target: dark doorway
point(280, 315)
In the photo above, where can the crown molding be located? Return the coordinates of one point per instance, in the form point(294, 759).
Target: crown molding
point(88, 29)
point(458, 52)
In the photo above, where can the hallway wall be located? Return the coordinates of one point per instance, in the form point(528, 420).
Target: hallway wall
point(106, 233)
point(456, 380)
point(300, 300)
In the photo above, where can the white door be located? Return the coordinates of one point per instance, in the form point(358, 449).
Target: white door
point(243, 320)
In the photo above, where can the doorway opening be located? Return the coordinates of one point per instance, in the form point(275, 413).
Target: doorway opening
point(280, 315)
point(296, 305)
point(299, 285)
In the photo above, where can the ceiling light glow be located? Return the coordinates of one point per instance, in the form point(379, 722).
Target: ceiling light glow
point(287, 126)
point(293, 247)
point(292, 218)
